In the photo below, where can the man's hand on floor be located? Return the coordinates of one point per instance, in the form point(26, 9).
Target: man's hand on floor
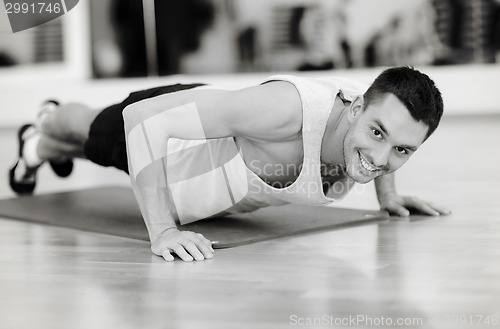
point(187, 245)
point(402, 205)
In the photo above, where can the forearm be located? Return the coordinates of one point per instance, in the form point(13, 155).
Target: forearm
point(385, 185)
point(146, 153)
point(156, 208)
point(147, 168)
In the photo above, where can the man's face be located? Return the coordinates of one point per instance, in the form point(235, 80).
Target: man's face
point(381, 138)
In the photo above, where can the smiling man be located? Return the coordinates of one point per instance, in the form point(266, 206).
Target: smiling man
point(195, 152)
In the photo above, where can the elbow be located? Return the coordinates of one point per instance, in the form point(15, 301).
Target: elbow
point(127, 112)
point(129, 115)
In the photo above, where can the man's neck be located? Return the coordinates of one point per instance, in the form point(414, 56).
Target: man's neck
point(332, 147)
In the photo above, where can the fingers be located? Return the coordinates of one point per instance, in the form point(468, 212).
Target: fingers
point(421, 206)
point(395, 208)
point(425, 207)
point(167, 256)
point(442, 210)
point(197, 246)
point(402, 205)
point(205, 246)
point(188, 246)
point(180, 250)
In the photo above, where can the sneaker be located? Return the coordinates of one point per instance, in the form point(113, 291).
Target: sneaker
point(46, 109)
point(22, 178)
point(61, 167)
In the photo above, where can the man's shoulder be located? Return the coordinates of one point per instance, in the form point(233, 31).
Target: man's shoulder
point(270, 111)
point(328, 82)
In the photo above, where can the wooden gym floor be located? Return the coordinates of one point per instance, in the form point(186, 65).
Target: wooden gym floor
point(420, 272)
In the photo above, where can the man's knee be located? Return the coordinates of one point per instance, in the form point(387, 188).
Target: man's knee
point(70, 122)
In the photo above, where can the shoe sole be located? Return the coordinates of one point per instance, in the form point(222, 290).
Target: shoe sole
point(21, 188)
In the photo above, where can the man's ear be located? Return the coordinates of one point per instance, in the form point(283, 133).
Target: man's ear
point(355, 109)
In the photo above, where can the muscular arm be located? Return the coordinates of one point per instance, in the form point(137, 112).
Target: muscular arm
point(263, 112)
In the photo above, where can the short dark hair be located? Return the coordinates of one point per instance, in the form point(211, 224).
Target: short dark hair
point(414, 89)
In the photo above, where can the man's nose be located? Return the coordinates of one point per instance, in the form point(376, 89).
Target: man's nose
point(380, 156)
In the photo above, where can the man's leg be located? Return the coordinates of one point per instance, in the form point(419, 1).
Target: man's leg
point(57, 137)
point(75, 130)
point(64, 131)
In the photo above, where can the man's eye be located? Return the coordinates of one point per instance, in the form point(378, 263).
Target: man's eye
point(401, 150)
point(377, 133)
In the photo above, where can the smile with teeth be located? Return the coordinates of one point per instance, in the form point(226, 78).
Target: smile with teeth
point(365, 164)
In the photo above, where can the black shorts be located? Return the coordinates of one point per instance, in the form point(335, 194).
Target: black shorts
point(106, 143)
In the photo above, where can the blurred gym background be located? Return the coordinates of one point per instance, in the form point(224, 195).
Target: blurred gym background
point(132, 38)
point(202, 36)
point(85, 54)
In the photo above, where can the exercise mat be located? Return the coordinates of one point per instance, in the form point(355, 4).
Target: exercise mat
point(114, 211)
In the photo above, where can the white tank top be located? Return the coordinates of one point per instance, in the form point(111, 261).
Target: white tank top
point(210, 178)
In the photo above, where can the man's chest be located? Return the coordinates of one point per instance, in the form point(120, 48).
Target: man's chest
point(277, 163)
